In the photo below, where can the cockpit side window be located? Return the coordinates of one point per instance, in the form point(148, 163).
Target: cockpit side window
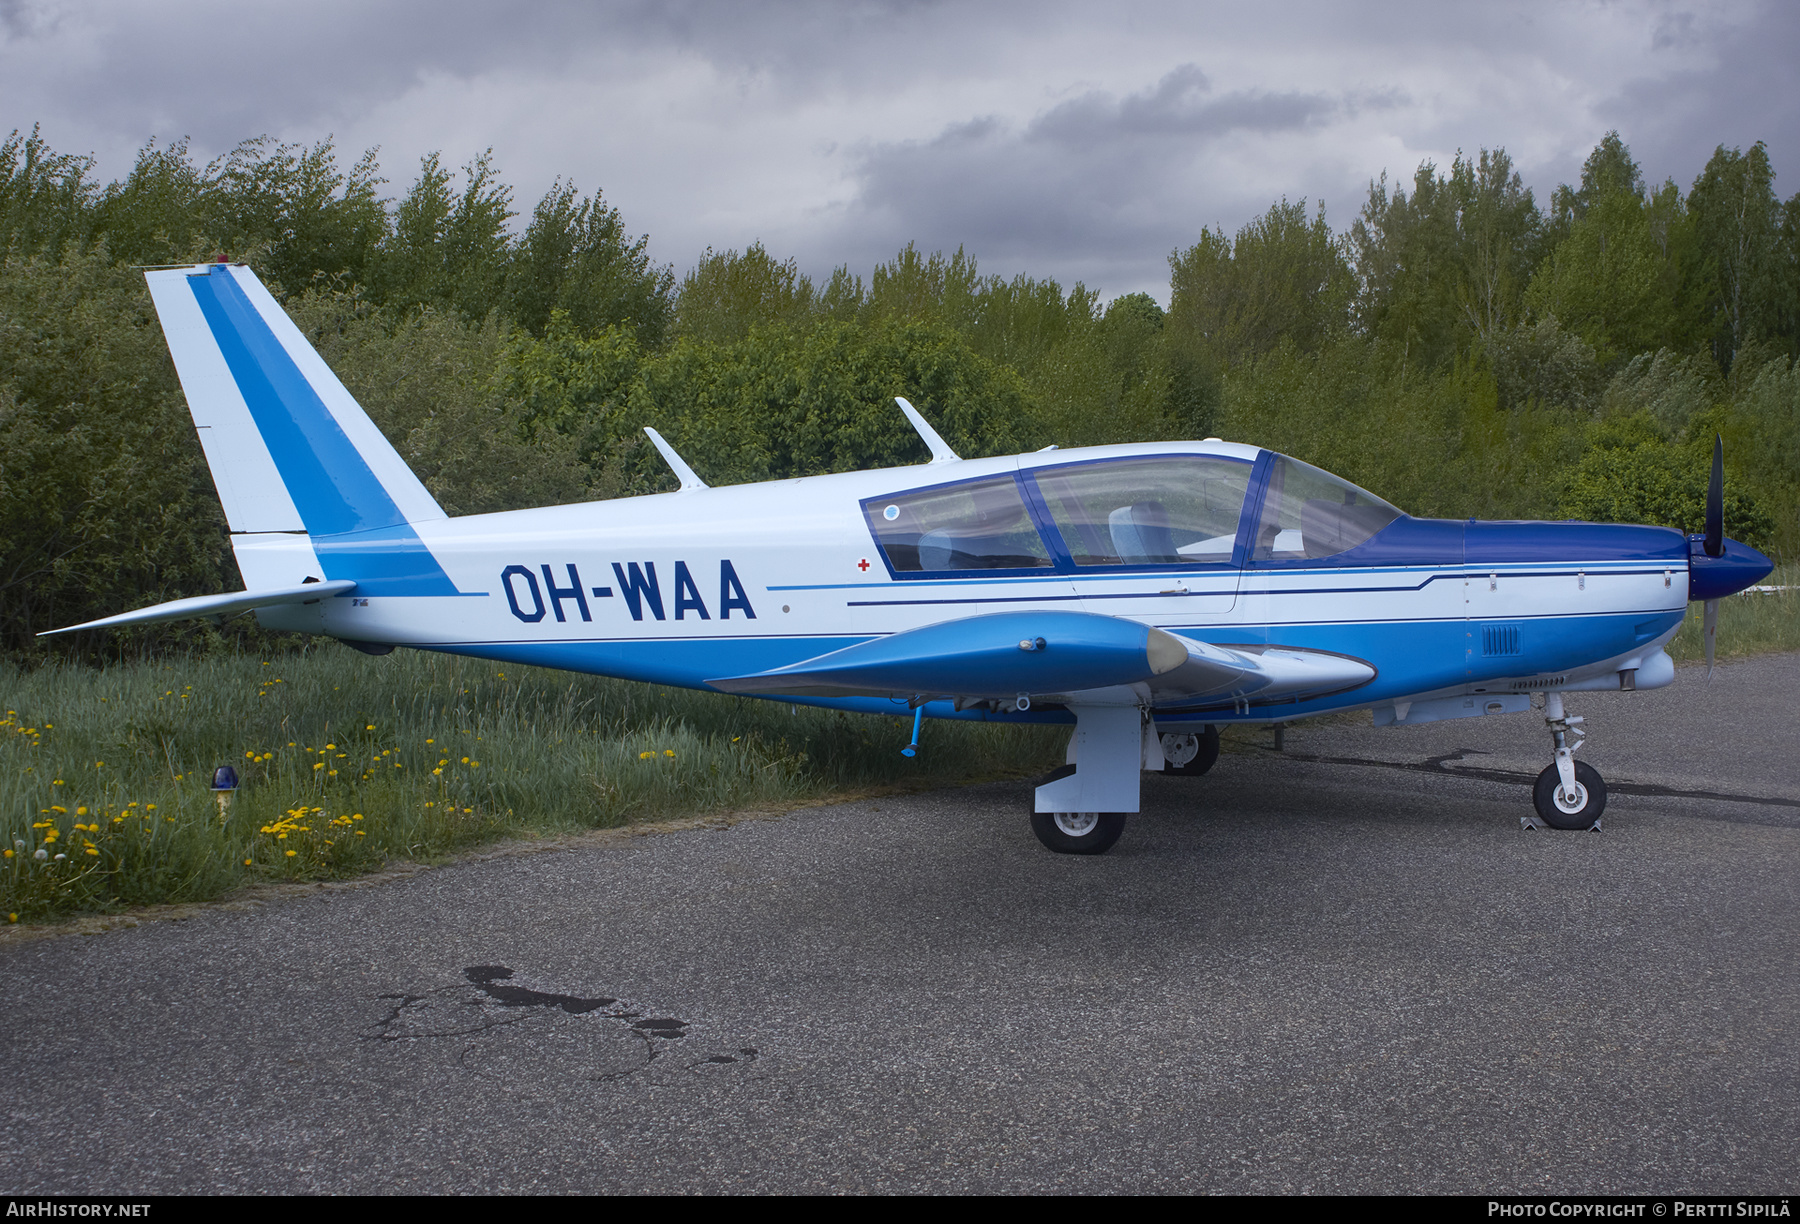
point(1155, 510)
point(979, 525)
point(1308, 514)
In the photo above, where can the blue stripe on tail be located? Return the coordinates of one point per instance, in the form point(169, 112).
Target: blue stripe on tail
point(331, 485)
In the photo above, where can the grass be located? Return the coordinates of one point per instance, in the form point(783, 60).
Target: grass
point(1752, 623)
point(347, 762)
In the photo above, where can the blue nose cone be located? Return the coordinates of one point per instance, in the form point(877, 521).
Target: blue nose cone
point(1733, 570)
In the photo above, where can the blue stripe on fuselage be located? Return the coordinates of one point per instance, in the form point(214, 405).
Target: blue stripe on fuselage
point(331, 485)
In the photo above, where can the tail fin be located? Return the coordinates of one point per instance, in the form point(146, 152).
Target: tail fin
point(291, 450)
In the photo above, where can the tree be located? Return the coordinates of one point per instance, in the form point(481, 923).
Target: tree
point(1281, 278)
point(1737, 223)
point(575, 257)
point(726, 294)
point(46, 197)
point(450, 250)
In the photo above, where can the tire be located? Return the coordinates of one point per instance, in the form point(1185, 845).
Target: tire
point(1588, 784)
point(1074, 832)
point(1206, 752)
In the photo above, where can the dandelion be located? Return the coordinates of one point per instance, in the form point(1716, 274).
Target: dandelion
point(370, 727)
point(292, 853)
point(81, 811)
point(668, 752)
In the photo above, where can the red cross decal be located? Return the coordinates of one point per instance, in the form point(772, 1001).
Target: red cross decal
point(863, 564)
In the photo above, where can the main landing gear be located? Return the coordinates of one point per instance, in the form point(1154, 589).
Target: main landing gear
point(1076, 832)
point(1191, 755)
point(1569, 794)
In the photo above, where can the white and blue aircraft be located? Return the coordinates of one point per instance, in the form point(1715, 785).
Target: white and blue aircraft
point(1146, 594)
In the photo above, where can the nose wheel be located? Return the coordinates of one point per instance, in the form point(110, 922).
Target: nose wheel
point(1569, 794)
point(1558, 809)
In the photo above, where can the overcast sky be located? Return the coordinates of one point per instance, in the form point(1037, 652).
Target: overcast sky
point(1080, 141)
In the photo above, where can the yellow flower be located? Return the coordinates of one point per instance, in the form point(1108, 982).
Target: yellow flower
point(370, 727)
point(318, 764)
point(645, 756)
point(465, 760)
point(330, 747)
point(668, 752)
point(292, 853)
point(81, 811)
point(246, 862)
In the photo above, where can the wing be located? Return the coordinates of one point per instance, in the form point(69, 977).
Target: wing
point(1053, 656)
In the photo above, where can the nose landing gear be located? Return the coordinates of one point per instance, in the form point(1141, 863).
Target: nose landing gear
point(1568, 794)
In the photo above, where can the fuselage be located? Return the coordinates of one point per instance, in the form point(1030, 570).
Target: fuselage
point(681, 588)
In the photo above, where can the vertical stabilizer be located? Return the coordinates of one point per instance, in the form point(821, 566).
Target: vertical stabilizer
point(291, 451)
point(289, 448)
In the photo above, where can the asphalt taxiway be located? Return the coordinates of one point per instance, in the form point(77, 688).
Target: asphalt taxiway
point(1343, 967)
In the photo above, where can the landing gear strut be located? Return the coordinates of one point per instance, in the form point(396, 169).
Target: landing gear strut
point(1568, 794)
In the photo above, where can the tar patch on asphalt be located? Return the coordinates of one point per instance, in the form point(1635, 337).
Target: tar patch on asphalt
point(498, 1028)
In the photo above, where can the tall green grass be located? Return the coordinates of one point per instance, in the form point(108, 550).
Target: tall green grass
point(1755, 622)
point(347, 762)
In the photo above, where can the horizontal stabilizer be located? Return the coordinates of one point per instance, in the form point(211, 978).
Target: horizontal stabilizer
point(216, 605)
point(997, 656)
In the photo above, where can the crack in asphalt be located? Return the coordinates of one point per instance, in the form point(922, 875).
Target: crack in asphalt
point(1441, 766)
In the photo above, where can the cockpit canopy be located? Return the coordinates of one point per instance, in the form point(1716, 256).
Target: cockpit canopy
point(1155, 511)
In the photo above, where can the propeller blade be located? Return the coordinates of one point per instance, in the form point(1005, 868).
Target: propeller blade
point(1709, 630)
point(1715, 501)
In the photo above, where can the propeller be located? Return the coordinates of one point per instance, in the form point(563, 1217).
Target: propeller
point(1714, 544)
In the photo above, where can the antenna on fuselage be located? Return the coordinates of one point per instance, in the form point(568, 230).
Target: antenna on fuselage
point(940, 449)
point(683, 472)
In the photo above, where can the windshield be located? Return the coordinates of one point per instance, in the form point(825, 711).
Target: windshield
point(1310, 513)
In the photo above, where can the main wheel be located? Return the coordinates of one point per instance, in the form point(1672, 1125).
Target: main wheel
point(1075, 832)
point(1190, 755)
point(1557, 812)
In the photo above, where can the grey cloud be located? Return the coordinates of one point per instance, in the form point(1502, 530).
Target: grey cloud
point(1176, 106)
point(1108, 184)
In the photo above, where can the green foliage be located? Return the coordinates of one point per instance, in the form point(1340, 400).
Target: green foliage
point(727, 294)
point(1630, 474)
point(575, 258)
point(1282, 279)
point(105, 499)
point(430, 383)
point(1745, 275)
point(1448, 264)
